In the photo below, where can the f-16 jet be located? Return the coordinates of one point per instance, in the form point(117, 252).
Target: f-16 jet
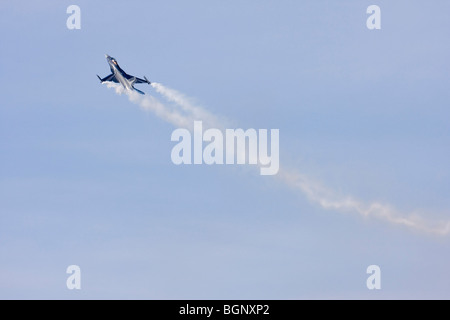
point(119, 76)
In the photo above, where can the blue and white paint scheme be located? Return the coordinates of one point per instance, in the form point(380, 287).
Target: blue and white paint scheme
point(119, 76)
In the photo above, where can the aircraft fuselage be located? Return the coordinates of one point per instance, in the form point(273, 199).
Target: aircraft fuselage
point(119, 76)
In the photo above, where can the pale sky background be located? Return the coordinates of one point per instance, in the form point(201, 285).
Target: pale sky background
point(86, 176)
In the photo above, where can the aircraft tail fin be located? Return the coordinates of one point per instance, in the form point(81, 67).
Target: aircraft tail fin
point(141, 92)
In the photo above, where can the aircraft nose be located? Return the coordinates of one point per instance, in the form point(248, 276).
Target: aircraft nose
point(106, 56)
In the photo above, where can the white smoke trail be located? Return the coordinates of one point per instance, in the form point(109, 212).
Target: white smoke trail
point(150, 103)
point(329, 200)
point(187, 105)
point(316, 193)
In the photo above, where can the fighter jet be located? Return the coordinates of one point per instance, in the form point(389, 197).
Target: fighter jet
point(120, 76)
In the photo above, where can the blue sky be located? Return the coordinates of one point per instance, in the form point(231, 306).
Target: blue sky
point(86, 176)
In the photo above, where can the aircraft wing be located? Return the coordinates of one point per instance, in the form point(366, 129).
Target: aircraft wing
point(139, 80)
point(111, 78)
